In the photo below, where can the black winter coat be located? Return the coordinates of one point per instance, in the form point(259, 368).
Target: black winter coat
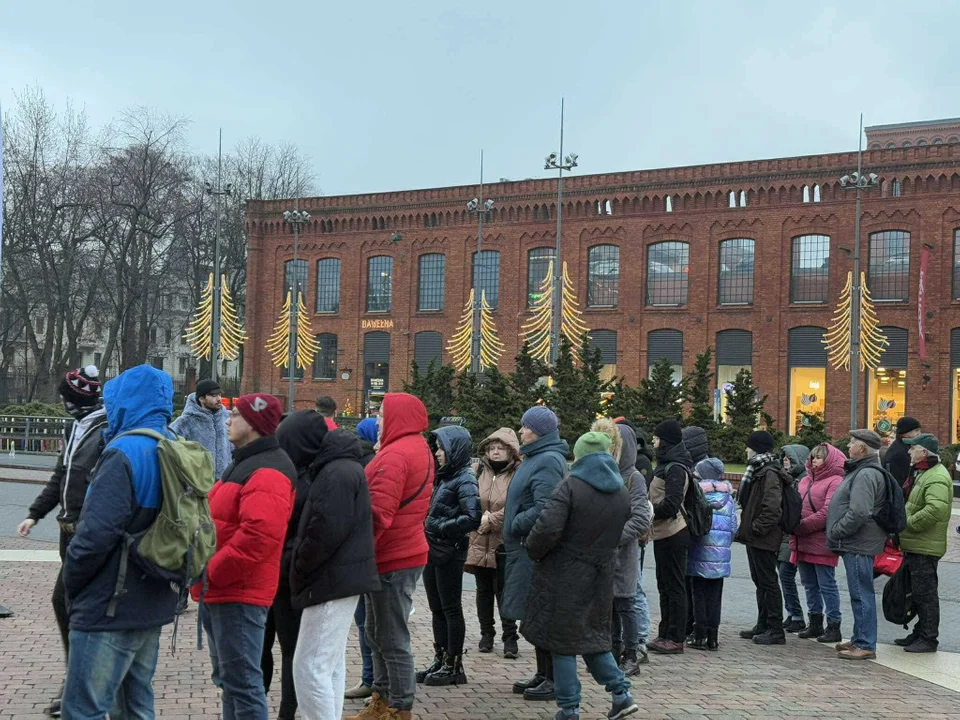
point(760, 520)
point(574, 544)
point(333, 553)
point(300, 435)
point(897, 461)
point(455, 509)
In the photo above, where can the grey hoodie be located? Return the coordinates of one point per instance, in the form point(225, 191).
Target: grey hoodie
point(638, 524)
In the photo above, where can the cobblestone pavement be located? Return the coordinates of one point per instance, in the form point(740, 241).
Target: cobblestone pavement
point(802, 680)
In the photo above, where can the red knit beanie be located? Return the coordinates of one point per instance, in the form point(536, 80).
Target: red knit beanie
point(261, 411)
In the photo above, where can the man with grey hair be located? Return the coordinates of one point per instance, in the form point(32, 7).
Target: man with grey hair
point(853, 534)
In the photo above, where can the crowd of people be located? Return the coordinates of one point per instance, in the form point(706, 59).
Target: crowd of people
point(319, 528)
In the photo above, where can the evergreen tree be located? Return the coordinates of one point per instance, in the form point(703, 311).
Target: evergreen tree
point(435, 388)
point(744, 406)
point(625, 401)
point(575, 395)
point(812, 430)
point(526, 386)
point(480, 399)
point(659, 396)
point(698, 387)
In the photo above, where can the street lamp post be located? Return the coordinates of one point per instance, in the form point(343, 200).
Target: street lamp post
point(568, 163)
point(858, 182)
point(297, 218)
point(218, 192)
point(482, 209)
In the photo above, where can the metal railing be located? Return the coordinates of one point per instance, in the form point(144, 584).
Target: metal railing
point(21, 433)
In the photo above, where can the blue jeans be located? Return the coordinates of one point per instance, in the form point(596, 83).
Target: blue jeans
point(791, 596)
point(602, 667)
point(641, 608)
point(235, 635)
point(360, 620)
point(863, 600)
point(111, 672)
point(820, 585)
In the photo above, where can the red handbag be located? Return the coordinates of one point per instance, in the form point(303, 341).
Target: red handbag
point(888, 561)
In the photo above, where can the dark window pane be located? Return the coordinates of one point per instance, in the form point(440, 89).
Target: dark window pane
point(603, 276)
point(486, 275)
point(956, 264)
point(432, 272)
point(735, 286)
point(325, 362)
point(538, 263)
point(810, 269)
point(295, 278)
point(380, 284)
point(328, 285)
point(668, 273)
point(889, 273)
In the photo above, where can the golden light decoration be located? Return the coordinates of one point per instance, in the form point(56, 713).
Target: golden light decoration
point(537, 330)
point(199, 333)
point(460, 346)
point(837, 338)
point(278, 344)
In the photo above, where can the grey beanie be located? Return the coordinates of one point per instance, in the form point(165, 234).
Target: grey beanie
point(710, 468)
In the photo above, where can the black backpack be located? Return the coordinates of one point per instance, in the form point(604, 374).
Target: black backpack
point(892, 517)
point(695, 508)
point(790, 503)
point(898, 605)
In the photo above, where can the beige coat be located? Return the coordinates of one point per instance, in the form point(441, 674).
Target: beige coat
point(493, 496)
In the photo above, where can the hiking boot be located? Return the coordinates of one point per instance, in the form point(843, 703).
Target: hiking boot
point(450, 674)
point(358, 692)
point(908, 640)
point(629, 665)
point(642, 657)
point(752, 632)
point(921, 645)
point(510, 649)
point(770, 637)
point(814, 629)
point(394, 714)
point(374, 710)
point(666, 647)
point(832, 633)
point(486, 644)
point(794, 625)
point(857, 654)
point(844, 646)
point(623, 705)
point(713, 641)
point(433, 667)
point(544, 692)
point(521, 686)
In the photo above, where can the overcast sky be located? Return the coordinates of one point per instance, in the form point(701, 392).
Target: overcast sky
point(397, 95)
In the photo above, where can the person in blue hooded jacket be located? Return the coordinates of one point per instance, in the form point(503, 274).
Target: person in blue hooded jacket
point(116, 610)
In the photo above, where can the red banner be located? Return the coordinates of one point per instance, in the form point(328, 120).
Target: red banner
point(922, 303)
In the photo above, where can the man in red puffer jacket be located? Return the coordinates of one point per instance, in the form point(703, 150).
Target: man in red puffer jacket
point(400, 477)
point(251, 506)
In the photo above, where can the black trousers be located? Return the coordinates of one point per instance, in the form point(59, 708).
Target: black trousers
point(707, 601)
point(624, 624)
point(283, 623)
point(763, 572)
point(544, 663)
point(59, 598)
point(691, 620)
point(490, 588)
point(926, 596)
point(444, 586)
point(671, 559)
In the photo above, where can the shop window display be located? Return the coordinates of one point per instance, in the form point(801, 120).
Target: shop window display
point(887, 398)
point(808, 388)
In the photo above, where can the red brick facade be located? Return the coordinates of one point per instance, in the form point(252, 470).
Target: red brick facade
point(781, 199)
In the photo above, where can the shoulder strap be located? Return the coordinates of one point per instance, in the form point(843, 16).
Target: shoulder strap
point(143, 432)
point(426, 479)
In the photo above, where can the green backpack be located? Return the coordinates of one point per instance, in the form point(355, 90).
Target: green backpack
point(182, 539)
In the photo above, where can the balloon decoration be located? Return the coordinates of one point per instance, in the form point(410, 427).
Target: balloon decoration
point(199, 333)
point(872, 339)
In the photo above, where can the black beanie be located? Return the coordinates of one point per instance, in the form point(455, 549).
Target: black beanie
point(760, 441)
point(906, 424)
point(81, 386)
point(207, 387)
point(670, 432)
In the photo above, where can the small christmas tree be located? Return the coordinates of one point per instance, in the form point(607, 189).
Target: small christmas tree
point(659, 396)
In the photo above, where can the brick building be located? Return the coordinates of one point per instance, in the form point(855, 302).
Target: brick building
point(748, 258)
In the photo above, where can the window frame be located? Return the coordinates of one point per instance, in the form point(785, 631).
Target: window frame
point(548, 255)
point(683, 288)
point(431, 290)
point(796, 263)
point(722, 285)
point(321, 339)
point(327, 276)
point(372, 306)
point(882, 287)
point(608, 252)
point(480, 271)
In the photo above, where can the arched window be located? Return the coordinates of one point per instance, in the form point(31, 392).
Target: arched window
point(889, 269)
point(294, 278)
point(427, 348)
point(895, 188)
point(486, 276)
point(956, 264)
point(380, 283)
point(735, 286)
point(810, 269)
point(603, 276)
point(816, 193)
point(668, 272)
point(325, 362)
point(431, 282)
point(328, 285)
point(806, 193)
point(538, 265)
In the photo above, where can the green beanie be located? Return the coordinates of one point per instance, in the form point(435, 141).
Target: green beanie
point(591, 442)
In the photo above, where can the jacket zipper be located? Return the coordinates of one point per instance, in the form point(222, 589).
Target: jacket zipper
point(73, 450)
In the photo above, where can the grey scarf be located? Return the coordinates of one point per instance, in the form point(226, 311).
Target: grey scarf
point(757, 462)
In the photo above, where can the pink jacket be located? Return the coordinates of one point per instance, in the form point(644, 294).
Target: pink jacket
point(817, 487)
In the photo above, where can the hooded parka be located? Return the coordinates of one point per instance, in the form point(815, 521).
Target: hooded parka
point(455, 504)
point(493, 498)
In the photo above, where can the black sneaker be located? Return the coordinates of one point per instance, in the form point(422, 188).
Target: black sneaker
point(543, 692)
point(623, 705)
point(752, 632)
point(770, 638)
point(510, 649)
point(794, 626)
point(486, 644)
point(521, 686)
point(921, 645)
point(906, 641)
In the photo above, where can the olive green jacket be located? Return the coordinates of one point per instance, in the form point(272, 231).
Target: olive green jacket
point(928, 513)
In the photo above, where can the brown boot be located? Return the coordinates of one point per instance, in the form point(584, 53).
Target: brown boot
point(857, 654)
point(394, 714)
point(375, 710)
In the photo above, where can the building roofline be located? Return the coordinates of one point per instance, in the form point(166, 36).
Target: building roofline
point(911, 125)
